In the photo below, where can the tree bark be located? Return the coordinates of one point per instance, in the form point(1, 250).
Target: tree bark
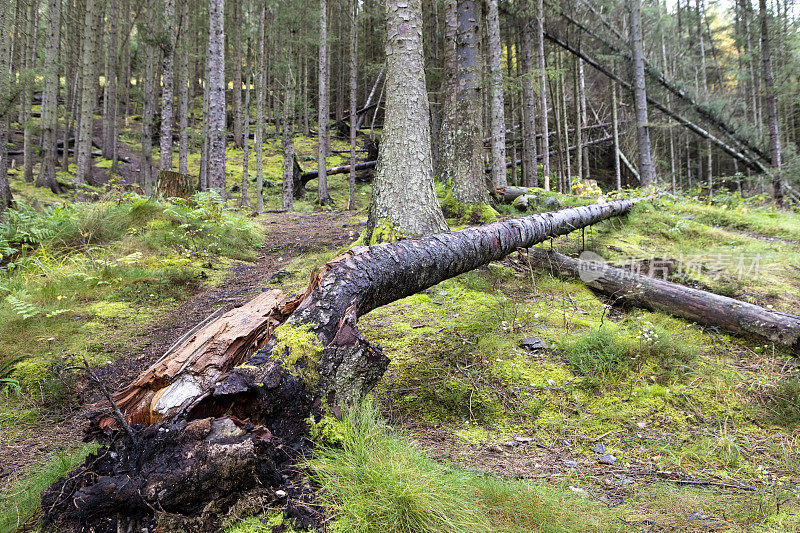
point(446, 161)
point(772, 110)
point(497, 102)
point(216, 97)
point(89, 76)
point(47, 171)
point(404, 200)
point(708, 309)
point(6, 198)
point(146, 170)
point(351, 198)
point(238, 56)
point(168, 84)
point(528, 100)
point(646, 166)
point(542, 64)
point(32, 19)
point(260, 103)
point(246, 136)
point(288, 141)
point(110, 100)
point(615, 129)
point(183, 88)
point(322, 149)
point(468, 177)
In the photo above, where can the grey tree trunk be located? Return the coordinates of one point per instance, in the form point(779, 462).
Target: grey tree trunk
point(183, 89)
point(404, 201)
point(543, 93)
point(237, 73)
point(322, 151)
point(47, 172)
point(446, 160)
point(576, 101)
point(615, 128)
point(6, 19)
point(110, 100)
point(531, 178)
point(498, 107)
point(351, 198)
point(216, 97)
point(246, 137)
point(27, 94)
point(89, 60)
point(704, 93)
point(772, 109)
point(584, 152)
point(146, 170)
point(168, 84)
point(468, 172)
point(260, 104)
point(288, 140)
point(646, 167)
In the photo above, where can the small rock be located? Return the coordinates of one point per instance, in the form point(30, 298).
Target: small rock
point(512, 444)
point(533, 344)
point(551, 204)
point(523, 439)
point(599, 448)
point(279, 276)
point(442, 293)
point(280, 494)
point(623, 480)
point(607, 459)
point(569, 463)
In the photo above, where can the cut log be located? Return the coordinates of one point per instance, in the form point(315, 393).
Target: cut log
point(708, 309)
point(225, 428)
point(312, 174)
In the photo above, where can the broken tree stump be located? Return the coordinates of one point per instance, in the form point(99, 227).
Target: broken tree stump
point(171, 184)
point(706, 308)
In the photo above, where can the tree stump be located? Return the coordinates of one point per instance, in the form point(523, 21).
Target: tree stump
point(171, 184)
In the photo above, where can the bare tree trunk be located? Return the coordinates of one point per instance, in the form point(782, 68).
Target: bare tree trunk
point(498, 112)
point(83, 143)
point(146, 171)
point(237, 73)
point(288, 139)
point(27, 78)
point(772, 109)
point(216, 97)
point(528, 100)
point(646, 167)
point(468, 172)
point(513, 113)
point(565, 128)
point(246, 132)
point(615, 128)
point(6, 21)
point(543, 93)
point(322, 151)
point(260, 103)
point(110, 100)
point(404, 200)
point(576, 103)
point(446, 161)
point(183, 89)
point(47, 172)
point(168, 84)
point(351, 201)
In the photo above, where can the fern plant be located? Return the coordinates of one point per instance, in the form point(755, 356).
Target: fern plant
point(21, 305)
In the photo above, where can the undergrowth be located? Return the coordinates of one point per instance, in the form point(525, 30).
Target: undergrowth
point(377, 481)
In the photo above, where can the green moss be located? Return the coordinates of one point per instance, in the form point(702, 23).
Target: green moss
point(385, 231)
point(300, 350)
point(260, 523)
point(31, 373)
point(329, 431)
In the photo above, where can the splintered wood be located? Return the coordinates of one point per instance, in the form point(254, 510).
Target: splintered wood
point(196, 363)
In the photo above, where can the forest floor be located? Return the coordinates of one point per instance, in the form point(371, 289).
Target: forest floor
point(703, 427)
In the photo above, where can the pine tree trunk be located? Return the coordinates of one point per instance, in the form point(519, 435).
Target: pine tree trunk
point(351, 198)
point(498, 127)
point(47, 172)
point(83, 143)
point(531, 178)
point(615, 128)
point(468, 173)
point(27, 94)
point(168, 84)
point(110, 93)
point(237, 73)
point(148, 113)
point(260, 104)
point(646, 167)
point(772, 110)
point(183, 89)
point(216, 97)
point(246, 136)
point(288, 141)
point(6, 198)
point(542, 64)
point(578, 126)
point(404, 200)
point(322, 150)
point(446, 161)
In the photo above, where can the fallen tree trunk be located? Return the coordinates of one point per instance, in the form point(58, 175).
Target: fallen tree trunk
point(228, 430)
point(708, 309)
point(344, 169)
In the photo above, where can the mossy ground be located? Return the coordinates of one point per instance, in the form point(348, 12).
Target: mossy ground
point(690, 401)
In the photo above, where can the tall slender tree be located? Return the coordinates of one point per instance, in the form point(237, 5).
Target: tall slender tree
point(6, 100)
point(168, 82)
point(542, 67)
point(498, 128)
point(322, 152)
point(771, 103)
point(351, 197)
point(89, 63)
point(531, 177)
point(216, 97)
point(646, 167)
point(47, 171)
point(260, 104)
point(183, 88)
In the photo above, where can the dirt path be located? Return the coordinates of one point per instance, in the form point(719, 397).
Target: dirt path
point(288, 235)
